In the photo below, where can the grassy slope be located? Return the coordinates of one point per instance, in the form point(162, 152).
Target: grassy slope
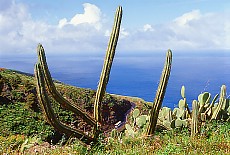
point(21, 119)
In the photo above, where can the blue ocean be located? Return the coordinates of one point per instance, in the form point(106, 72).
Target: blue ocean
point(138, 74)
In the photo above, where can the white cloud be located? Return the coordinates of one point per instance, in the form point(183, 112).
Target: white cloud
point(91, 15)
point(88, 31)
point(123, 33)
point(148, 27)
point(191, 31)
point(187, 17)
point(202, 31)
point(62, 22)
point(20, 33)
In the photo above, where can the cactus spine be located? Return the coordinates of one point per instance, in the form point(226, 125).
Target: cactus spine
point(104, 78)
point(50, 115)
point(160, 94)
point(195, 113)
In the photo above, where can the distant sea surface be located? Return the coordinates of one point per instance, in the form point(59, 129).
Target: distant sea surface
point(138, 75)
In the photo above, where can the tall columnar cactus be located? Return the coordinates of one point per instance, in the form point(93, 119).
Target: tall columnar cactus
point(195, 115)
point(55, 94)
point(44, 79)
point(49, 113)
point(104, 78)
point(160, 94)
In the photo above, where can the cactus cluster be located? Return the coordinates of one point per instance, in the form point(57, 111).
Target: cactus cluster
point(203, 109)
point(137, 124)
point(221, 110)
point(177, 118)
point(165, 118)
point(44, 80)
point(215, 109)
point(182, 113)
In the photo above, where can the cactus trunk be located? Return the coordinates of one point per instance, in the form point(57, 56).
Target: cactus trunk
point(55, 94)
point(104, 78)
point(49, 113)
point(195, 113)
point(160, 94)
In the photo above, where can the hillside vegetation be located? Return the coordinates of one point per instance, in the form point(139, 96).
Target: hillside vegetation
point(24, 129)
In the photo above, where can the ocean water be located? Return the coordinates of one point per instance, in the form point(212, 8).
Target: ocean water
point(138, 75)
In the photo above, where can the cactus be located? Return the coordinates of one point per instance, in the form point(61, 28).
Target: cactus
point(55, 94)
point(50, 115)
point(203, 100)
point(129, 130)
point(195, 113)
point(178, 123)
point(205, 108)
point(179, 113)
point(208, 111)
point(136, 113)
point(43, 77)
point(222, 102)
point(182, 103)
point(104, 78)
point(160, 94)
point(141, 120)
point(165, 118)
point(165, 114)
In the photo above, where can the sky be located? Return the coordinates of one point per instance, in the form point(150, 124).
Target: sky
point(78, 26)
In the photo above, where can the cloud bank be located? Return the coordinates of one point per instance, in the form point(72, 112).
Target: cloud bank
point(88, 32)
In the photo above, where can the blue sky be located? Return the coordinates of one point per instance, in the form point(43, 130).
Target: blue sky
point(70, 26)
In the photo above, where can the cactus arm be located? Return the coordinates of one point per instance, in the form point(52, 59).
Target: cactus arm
point(56, 95)
point(195, 113)
point(209, 109)
point(50, 115)
point(183, 96)
point(104, 78)
point(222, 101)
point(160, 94)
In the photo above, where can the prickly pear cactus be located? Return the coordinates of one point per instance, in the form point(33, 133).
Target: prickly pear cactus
point(220, 110)
point(141, 120)
point(203, 101)
point(165, 118)
point(136, 113)
point(178, 123)
point(129, 130)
